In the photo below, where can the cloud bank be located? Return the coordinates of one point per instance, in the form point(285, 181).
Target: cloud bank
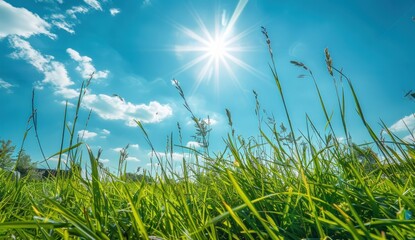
point(21, 22)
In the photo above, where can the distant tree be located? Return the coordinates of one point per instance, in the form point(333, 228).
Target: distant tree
point(24, 164)
point(21, 163)
point(6, 151)
point(136, 177)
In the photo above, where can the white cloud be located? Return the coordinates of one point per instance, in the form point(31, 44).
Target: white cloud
point(407, 122)
point(85, 134)
point(57, 16)
point(49, 1)
point(64, 26)
point(6, 85)
point(55, 72)
point(71, 105)
point(64, 158)
point(58, 20)
point(21, 22)
point(61, 21)
point(85, 67)
point(67, 93)
point(118, 149)
point(175, 156)
point(209, 121)
point(133, 159)
point(192, 144)
point(113, 108)
point(94, 4)
point(104, 160)
point(75, 10)
point(105, 132)
point(341, 139)
point(153, 165)
point(114, 11)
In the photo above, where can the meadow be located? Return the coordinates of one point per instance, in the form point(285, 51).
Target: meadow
point(280, 184)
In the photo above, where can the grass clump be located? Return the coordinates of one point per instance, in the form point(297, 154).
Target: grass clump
point(280, 184)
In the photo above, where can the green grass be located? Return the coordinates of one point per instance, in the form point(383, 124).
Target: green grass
point(277, 185)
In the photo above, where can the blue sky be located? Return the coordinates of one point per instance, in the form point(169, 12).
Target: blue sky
point(216, 51)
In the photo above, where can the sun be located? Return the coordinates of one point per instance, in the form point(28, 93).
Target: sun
point(216, 48)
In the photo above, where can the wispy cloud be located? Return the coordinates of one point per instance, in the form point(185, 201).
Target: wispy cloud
point(71, 105)
point(341, 139)
point(211, 121)
point(63, 158)
point(49, 1)
point(105, 132)
point(403, 124)
point(59, 21)
point(67, 93)
point(114, 11)
point(118, 149)
point(104, 160)
point(132, 159)
point(146, 2)
point(130, 147)
point(113, 108)
point(85, 134)
point(54, 72)
point(64, 26)
point(21, 22)
point(68, 20)
point(85, 67)
point(72, 12)
point(6, 85)
point(175, 156)
point(94, 4)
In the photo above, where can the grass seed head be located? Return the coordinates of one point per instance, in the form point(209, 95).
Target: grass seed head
point(299, 64)
point(328, 61)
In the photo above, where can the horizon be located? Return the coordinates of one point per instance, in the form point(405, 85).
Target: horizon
point(215, 49)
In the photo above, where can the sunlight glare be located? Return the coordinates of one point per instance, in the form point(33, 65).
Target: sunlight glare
point(215, 48)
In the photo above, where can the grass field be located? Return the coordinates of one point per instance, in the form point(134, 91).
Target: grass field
point(275, 185)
